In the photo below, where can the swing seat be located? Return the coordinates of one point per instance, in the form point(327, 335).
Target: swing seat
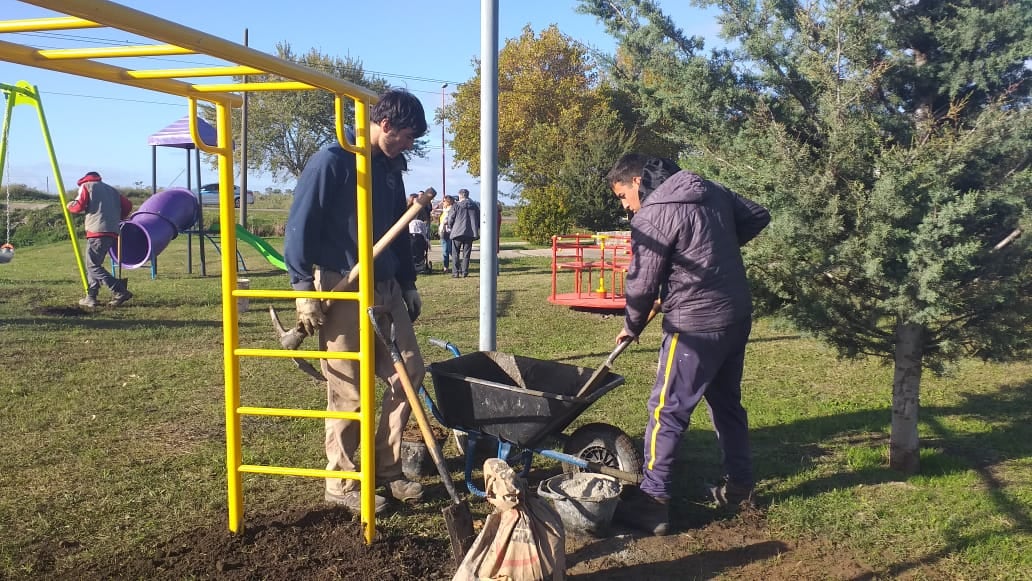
point(6, 253)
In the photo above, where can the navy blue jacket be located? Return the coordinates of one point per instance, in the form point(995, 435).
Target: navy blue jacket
point(322, 226)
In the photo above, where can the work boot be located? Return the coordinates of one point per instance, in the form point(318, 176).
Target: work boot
point(88, 302)
point(405, 490)
point(352, 500)
point(120, 298)
point(645, 513)
point(729, 493)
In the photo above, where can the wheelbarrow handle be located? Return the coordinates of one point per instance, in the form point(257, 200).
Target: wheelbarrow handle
point(445, 345)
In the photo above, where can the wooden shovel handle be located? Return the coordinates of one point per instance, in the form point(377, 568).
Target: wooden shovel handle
point(413, 399)
point(386, 240)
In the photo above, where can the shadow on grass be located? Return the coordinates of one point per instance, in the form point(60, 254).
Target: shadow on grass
point(783, 451)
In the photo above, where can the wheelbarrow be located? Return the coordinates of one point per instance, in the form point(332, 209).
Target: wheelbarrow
point(524, 404)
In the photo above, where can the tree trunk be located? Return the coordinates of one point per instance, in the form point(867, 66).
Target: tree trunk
point(906, 387)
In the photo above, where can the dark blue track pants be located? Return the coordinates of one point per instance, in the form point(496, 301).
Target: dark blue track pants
point(693, 366)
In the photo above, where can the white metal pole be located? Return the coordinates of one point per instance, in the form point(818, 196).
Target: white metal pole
point(488, 172)
point(444, 188)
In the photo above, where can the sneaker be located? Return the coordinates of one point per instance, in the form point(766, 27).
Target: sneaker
point(120, 298)
point(352, 500)
point(645, 513)
point(89, 302)
point(405, 490)
point(731, 494)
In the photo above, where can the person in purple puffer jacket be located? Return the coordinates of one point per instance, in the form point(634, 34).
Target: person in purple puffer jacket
point(686, 236)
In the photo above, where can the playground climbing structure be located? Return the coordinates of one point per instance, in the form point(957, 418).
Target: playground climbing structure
point(162, 37)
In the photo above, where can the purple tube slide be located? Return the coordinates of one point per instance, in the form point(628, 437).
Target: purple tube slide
point(149, 230)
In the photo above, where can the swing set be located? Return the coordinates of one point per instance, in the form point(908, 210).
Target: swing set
point(23, 93)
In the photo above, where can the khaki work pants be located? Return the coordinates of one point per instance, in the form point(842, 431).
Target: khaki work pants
point(340, 333)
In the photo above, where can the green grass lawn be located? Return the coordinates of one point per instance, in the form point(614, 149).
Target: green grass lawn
point(112, 430)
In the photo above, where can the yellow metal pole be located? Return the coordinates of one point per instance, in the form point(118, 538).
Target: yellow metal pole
point(230, 331)
point(363, 171)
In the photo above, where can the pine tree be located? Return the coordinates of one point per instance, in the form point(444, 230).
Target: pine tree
point(891, 141)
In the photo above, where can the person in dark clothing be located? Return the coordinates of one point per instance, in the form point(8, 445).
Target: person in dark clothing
point(320, 249)
point(464, 226)
point(104, 207)
point(686, 235)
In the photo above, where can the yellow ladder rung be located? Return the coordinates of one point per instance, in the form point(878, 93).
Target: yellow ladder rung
point(306, 472)
point(298, 413)
point(43, 24)
point(268, 86)
point(292, 294)
point(195, 72)
point(286, 353)
point(113, 52)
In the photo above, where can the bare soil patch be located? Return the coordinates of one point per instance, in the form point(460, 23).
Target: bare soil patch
point(327, 544)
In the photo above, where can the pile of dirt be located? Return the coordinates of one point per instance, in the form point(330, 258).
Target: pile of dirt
point(298, 544)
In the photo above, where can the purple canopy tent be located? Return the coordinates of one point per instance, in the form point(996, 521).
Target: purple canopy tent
point(178, 135)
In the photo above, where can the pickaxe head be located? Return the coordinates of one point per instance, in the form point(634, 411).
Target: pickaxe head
point(287, 339)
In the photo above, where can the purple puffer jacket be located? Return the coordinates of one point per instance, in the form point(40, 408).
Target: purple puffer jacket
point(686, 237)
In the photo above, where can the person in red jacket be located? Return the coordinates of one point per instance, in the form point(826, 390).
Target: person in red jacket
point(104, 207)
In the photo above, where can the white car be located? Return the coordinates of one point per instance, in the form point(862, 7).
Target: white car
point(210, 195)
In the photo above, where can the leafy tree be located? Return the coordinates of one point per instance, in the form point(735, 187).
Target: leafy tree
point(558, 130)
point(890, 141)
point(285, 128)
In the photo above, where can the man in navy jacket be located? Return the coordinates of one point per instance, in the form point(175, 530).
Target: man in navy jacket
point(320, 249)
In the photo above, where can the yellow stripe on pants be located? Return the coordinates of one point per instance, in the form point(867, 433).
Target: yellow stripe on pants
point(662, 398)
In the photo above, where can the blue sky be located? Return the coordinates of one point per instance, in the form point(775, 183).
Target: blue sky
point(418, 45)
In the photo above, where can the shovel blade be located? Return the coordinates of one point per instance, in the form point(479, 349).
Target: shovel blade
point(459, 521)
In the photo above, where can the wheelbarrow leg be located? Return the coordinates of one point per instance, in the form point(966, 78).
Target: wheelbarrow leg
point(471, 450)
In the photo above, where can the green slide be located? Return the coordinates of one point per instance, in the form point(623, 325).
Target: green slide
point(262, 246)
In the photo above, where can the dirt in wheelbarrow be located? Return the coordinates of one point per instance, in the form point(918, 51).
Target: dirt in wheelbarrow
point(326, 543)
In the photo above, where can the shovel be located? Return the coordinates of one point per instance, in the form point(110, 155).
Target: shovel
point(457, 516)
point(603, 370)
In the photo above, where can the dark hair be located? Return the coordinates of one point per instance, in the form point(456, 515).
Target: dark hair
point(402, 110)
point(653, 171)
point(626, 168)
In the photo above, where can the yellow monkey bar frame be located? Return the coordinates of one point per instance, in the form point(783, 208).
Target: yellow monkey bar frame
point(176, 39)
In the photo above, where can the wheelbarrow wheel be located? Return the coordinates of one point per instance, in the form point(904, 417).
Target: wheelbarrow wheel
point(603, 444)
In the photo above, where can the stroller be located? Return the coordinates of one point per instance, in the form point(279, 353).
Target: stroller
point(419, 241)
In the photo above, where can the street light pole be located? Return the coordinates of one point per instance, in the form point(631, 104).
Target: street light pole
point(444, 190)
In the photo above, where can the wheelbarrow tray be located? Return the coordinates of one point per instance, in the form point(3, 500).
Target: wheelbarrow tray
point(516, 399)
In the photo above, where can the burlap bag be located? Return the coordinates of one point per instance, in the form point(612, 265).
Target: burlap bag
point(522, 540)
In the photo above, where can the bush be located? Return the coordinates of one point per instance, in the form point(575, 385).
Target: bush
point(32, 227)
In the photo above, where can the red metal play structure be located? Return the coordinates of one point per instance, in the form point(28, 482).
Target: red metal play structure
point(601, 258)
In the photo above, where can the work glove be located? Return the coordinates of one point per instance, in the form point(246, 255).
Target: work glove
point(310, 315)
point(413, 303)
